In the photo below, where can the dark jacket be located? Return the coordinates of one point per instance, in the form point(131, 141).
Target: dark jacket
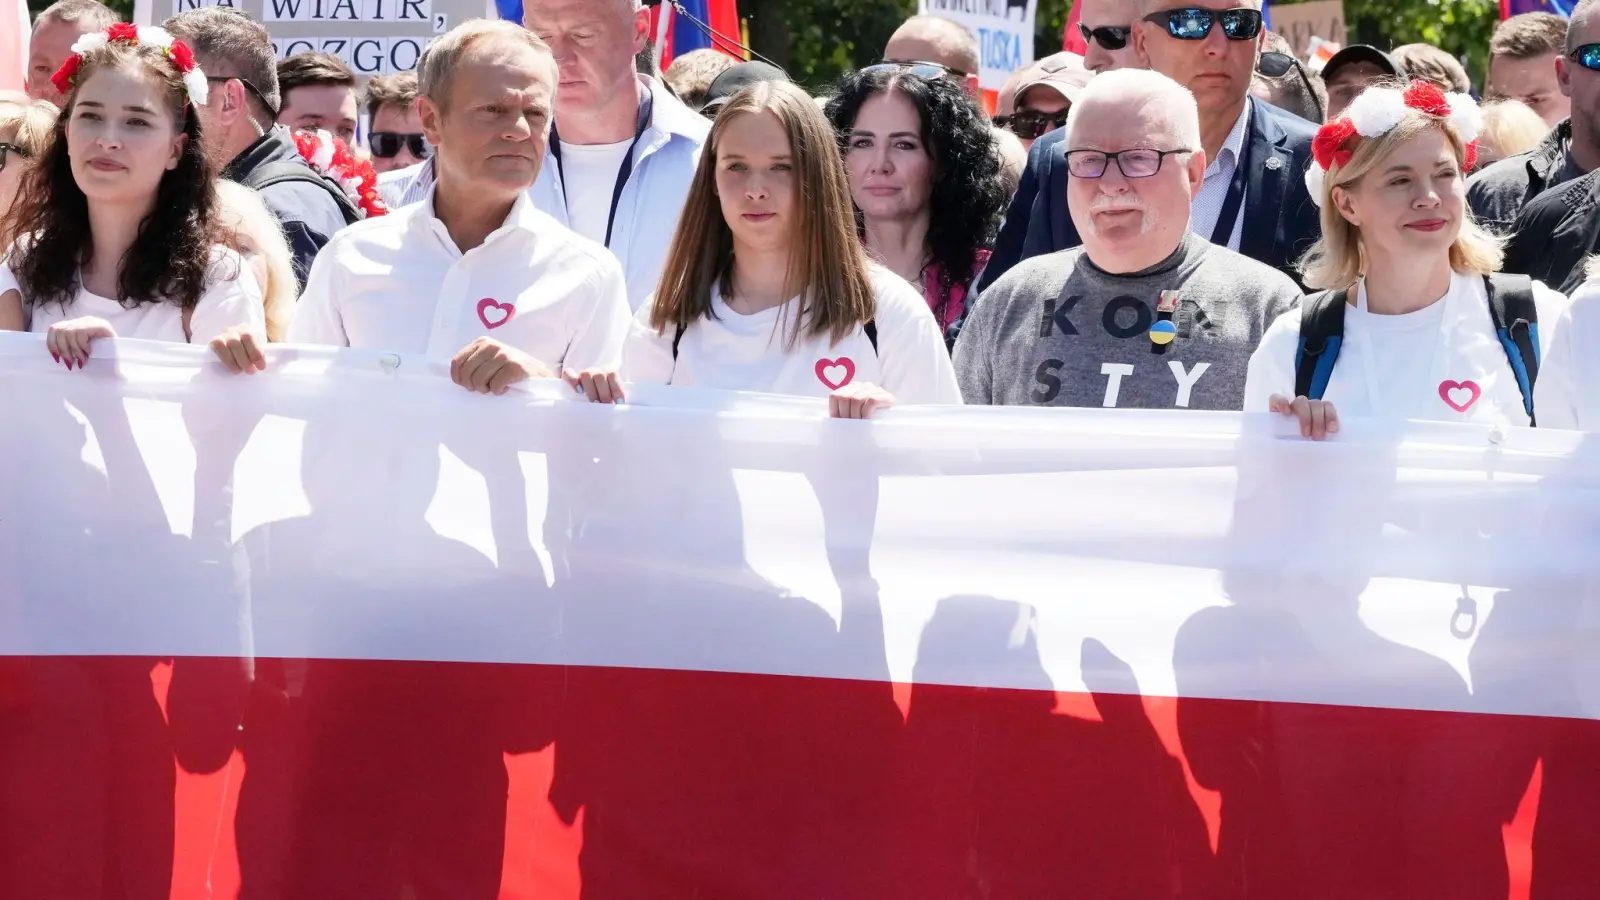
point(1498, 193)
point(308, 211)
point(1039, 223)
point(1555, 233)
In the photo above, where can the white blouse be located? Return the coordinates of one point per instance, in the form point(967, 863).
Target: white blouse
point(736, 352)
point(231, 299)
point(1443, 362)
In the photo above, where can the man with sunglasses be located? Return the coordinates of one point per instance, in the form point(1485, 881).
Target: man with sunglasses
point(1036, 100)
point(396, 139)
point(1258, 154)
point(1146, 314)
point(241, 140)
point(945, 47)
point(1502, 192)
point(1107, 28)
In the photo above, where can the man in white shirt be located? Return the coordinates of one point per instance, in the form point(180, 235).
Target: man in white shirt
point(623, 150)
point(474, 271)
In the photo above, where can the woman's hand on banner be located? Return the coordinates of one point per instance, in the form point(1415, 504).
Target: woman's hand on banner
point(1318, 418)
point(68, 341)
point(240, 350)
point(596, 385)
point(858, 401)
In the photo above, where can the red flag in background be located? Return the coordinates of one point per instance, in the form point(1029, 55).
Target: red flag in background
point(1072, 41)
point(13, 44)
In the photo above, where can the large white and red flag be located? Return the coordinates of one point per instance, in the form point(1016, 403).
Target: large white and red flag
point(343, 630)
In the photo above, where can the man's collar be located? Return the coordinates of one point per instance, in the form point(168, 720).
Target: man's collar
point(670, 116)
point(1234, 143)
point(523, 216)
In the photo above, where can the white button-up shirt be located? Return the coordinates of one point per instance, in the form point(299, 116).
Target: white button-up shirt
point(664, 163)
point(398, 282)
point(1213, 194)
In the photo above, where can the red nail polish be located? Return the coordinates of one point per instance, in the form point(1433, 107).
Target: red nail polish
point(55, 356)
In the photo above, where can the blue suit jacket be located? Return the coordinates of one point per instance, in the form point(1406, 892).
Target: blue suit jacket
point(1038, 222)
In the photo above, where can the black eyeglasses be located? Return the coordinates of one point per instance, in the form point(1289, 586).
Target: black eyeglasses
point(271, 107)
point(1030, 124)
point(920, 68)
point(6, 149)
point(1587, 56)
point(1138, 163)
point(387, 144)
point(1107, 36)
point(1191, 24)
point(1276, 65)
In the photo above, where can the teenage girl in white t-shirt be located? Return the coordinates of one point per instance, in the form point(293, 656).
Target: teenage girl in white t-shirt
point(120, 234)
point(767, 287)
point(1419, 340)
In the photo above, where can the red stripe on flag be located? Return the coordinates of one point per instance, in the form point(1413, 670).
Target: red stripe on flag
point(364, 779)
point(1072, 40)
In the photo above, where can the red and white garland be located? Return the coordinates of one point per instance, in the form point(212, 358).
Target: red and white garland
point(1376, 111)
point(333, 159)
point(194, 80)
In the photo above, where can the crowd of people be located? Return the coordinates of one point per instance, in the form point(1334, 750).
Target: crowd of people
point(1135, 227)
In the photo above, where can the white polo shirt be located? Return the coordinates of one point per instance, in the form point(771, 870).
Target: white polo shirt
point(398, 282)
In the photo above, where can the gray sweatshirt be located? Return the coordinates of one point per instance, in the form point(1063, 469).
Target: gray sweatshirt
point(1057, 330)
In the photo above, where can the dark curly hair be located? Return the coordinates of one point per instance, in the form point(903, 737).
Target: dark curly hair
point(968, 195)
point(171, 253)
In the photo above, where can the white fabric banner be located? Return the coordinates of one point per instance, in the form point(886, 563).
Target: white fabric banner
point(355, 506)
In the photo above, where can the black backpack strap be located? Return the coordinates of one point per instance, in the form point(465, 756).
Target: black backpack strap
point(1516, 323)
point(677, 338)
point(1321, 333)
point(286, 172)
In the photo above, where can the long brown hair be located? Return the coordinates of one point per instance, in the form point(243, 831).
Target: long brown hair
point(827, 266)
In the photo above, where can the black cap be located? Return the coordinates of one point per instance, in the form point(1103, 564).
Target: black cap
point(1363, 53)
point(737, 78)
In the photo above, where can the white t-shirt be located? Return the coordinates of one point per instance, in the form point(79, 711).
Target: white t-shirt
point(1568, 391)
point(589, 173)
point(231, 299)
point(1443, 362)
point(746, 353)
point(400, 283)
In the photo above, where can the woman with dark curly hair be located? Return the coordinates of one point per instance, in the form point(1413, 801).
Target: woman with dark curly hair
point(925, 177)
point(117, 224)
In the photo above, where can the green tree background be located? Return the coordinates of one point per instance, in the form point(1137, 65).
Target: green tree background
point(816, 40)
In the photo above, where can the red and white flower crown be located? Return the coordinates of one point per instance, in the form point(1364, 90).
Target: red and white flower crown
point(355, 176)
point(1376, 111)
point(194, 80)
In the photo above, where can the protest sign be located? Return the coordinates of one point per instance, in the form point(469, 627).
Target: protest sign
point(1004, 29)
point(1298, 23)
point(372, 37)
point(343, 629)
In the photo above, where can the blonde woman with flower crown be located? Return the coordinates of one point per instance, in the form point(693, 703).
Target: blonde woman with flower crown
point(1413, 322)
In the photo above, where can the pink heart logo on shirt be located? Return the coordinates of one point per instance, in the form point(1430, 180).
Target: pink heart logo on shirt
point(493, 314)
point(836, 373)
point(1459, 395)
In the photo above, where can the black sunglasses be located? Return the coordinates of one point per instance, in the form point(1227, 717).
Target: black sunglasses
point(271, 107)
point(387, 144)
point(1276, 65)
point(1137, 163)
point(1191, 24)
point(1030, 124)
point(6, 149)
point(1107, 36)
point(920, 68)
point(1587, 56)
